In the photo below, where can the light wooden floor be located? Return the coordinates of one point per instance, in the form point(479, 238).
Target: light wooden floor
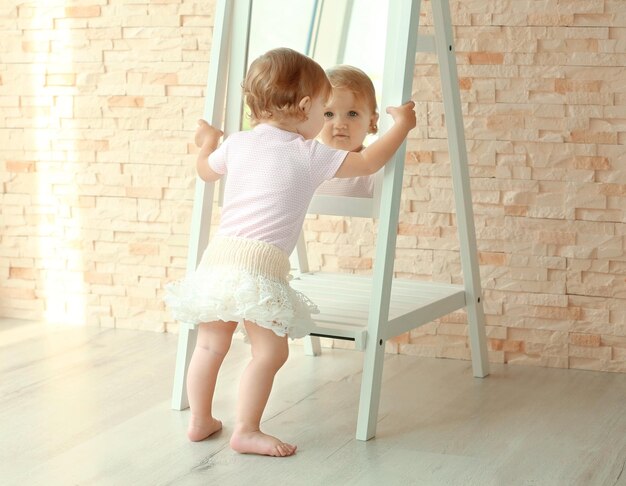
point(88, 406)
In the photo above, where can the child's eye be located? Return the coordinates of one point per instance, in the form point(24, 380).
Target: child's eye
point(328, 114)
point(352, 114)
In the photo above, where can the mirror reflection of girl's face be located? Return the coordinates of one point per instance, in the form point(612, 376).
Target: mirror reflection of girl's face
point(348, 120)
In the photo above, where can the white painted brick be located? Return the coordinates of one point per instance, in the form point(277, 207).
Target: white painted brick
point(550, 98)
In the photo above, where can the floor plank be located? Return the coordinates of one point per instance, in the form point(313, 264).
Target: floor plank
point(91, 406)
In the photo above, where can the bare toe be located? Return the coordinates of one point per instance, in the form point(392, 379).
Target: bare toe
point(286, 449)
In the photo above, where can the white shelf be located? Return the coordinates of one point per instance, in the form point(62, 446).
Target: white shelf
point(343, 301)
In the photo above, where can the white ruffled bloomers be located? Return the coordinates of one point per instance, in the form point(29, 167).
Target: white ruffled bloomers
point(241, 279)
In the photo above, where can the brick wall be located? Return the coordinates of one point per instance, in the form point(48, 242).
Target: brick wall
point(97, 173)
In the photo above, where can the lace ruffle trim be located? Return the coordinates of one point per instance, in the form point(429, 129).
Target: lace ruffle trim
point(229, 294)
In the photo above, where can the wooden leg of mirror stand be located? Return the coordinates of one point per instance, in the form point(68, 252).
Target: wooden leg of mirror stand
point(312, 346)
point(373, 361)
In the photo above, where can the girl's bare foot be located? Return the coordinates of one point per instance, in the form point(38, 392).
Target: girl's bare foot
point(200, 429)
point(256, 442)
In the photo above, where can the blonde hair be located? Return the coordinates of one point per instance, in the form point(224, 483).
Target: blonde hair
point(359, 83)
point(277, 81)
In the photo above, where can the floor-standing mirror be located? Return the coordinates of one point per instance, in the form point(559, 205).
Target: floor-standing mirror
point(368, 310)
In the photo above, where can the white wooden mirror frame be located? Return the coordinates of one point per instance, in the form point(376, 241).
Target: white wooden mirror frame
point(367, 310)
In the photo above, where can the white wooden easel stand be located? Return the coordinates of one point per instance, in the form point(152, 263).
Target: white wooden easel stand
point(389, 307)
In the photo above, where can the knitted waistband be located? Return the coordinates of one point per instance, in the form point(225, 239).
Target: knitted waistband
point(255, 257)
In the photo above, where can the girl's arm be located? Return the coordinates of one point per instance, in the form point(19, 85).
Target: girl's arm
point(207, 138)
point(376, 155)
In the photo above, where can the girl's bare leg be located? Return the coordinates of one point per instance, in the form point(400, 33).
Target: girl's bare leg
point(212, 344)
point(269, 353)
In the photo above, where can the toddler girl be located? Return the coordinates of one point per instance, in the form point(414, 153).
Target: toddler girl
point(350, 114)
point(242, 279)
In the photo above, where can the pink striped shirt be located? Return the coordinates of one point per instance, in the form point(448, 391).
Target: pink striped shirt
point(272, 175)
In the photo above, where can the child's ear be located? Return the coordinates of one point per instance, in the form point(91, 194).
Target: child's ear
point(305, 104)
point(373, 128)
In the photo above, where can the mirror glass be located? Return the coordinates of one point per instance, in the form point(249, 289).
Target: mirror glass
point(331, 32)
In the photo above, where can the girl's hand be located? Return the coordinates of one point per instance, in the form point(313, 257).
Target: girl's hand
point(206, 134)
point(207, 138)
point(404, 115)
point(374, 156)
